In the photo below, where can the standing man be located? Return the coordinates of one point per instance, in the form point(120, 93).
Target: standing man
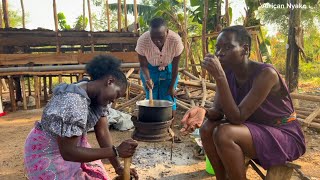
point(159, 51)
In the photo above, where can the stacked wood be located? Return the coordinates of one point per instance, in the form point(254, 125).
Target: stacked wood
point(49, 38)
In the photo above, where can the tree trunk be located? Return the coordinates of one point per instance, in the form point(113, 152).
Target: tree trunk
point(292, 61)
point(5, 13)
point(204, 32)
point(227, 13)
point(55, 16)
point(135, 12)
point(84, 14)
point(90, 23)
point(218, 15)
point(119, 15)
point(108, 14)
point(23, 15)
point(185, 38)
point(1, 26)
point(125, 15)
point(89, 14)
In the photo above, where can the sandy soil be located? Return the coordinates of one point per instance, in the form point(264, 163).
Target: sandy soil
point(152, 160)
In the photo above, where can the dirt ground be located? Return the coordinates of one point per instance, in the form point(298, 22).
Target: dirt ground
point(152, 160)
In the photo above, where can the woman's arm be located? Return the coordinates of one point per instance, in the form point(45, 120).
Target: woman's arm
point(175, 68)
point(215, 112)
point(70, 151)
point(104, 139)
point(261, 87)
point(144, 66)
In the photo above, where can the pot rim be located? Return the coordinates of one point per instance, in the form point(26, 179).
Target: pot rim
point(164, 103)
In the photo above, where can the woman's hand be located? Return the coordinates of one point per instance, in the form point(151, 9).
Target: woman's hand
point(212, 64)
point(149, 84)
point(192, 119)
point(171, 92)
point(127, 148)
point(133, 172)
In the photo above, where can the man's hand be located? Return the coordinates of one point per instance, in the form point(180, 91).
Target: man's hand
point(192, 119)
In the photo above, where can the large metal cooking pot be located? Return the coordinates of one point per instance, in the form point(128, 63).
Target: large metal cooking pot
point(160, 111)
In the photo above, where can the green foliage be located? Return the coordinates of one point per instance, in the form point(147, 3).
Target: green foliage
point(309, 70)
point(79, 23)
point(63, 22)
point(280, 16)
point(197, 11)
point(15, 17)
point(312, 45)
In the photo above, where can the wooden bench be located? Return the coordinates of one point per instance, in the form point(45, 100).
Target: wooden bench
point(282, 172)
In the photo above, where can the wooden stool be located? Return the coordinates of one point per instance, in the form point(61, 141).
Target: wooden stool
point(281, 172)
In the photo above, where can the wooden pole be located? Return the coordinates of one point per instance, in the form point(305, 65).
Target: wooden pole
point(119, 15)
point(50, 85)
point(11, 92)
point(60, 78)
point(218, 14)
point(256, 45)
point(108, 14)
point(204, 87)
point(29, 85)
point(305, 97)
point(1, 24)
point(186, 34)
point(55, 16)
point(210, 86)
point(292, 61)
point(3, 82)
point(125, 15)
point(89, 14)
point(5, 13)
point(90, 22)
point(23, 89)
point(313, 115)
point(227, 13)
point(71, 79)
point(84, 14)
point(135, 12)
point(23, 15)
point(191, 76)
point(204, 32)
point(45, 92)
point(36, 91)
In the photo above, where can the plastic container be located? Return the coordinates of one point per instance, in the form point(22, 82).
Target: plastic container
point(209, 168)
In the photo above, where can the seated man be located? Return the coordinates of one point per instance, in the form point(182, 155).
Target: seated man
point(252, 114)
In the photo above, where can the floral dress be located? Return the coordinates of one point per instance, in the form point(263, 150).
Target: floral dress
point(67, 114)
